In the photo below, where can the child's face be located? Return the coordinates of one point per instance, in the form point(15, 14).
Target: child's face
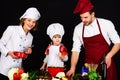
point(56, 39)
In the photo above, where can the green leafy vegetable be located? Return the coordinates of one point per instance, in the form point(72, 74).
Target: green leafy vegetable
point(93, 75)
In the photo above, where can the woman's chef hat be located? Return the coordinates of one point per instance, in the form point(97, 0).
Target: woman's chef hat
point(55, 28)
point(83, 6)
point(31, 13)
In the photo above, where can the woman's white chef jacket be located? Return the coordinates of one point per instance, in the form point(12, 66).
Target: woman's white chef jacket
point(13, 39)
point(107, 29)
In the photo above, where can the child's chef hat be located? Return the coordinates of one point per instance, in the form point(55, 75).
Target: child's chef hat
point(31, 13)
point(55, 28)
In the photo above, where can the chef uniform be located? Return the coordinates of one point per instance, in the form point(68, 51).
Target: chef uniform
point(54, 62)
point(15, 39)
point(95, 38)
point(52, 51)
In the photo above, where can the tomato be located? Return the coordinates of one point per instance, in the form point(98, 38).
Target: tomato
point(16, 76)
point(20, 71)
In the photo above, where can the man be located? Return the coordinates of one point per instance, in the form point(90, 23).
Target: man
point(96, 35)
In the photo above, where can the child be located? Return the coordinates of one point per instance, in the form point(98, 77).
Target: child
point(56, 53)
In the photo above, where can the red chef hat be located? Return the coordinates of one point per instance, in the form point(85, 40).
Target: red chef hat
point(83, 6)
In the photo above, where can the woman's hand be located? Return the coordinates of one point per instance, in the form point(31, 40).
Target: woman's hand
point(28, 50)
point(11, 53)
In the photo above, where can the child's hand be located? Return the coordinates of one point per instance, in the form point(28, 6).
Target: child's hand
point(42, 68)
point(63, 50)
point(60, 56)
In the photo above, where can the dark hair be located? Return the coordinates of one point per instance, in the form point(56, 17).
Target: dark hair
point(92, 10)
point(22, 24)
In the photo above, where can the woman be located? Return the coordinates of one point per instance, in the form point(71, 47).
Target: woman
point(17, 39)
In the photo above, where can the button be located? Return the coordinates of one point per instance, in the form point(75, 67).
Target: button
point(13, 60)
point(20, 45)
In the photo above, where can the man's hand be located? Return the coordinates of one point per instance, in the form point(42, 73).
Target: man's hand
point(108, 61)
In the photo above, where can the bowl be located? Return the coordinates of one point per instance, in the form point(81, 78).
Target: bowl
point(20, 54)
point(54, 70)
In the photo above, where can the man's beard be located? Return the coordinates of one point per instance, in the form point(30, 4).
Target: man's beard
point(86, 23)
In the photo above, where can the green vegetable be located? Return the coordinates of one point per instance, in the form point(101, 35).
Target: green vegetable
point(32, 75)
point(93, 75)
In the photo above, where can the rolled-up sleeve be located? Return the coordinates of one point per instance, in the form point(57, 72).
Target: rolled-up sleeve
point(77, 41)
point(112, 33)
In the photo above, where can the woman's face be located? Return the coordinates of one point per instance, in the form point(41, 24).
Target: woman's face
point(56, 39)
point(29, 24)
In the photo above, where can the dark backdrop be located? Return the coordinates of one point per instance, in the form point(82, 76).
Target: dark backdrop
point(55, 11)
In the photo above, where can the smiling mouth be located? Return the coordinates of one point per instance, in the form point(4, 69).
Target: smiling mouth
point(29, 26)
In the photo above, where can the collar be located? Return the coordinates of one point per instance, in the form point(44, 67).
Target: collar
point(22, 32)
point(94, 22)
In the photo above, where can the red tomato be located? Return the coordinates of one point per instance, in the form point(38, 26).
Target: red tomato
point(16, 76)
point(20, 71)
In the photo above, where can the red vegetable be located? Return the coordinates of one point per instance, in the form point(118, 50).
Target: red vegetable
point(20, 71)
point(20, 55)
point(16, 76)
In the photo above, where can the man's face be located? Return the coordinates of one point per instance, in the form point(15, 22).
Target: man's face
point(87, 18)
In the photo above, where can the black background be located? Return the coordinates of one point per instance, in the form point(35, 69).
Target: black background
point(55, 11)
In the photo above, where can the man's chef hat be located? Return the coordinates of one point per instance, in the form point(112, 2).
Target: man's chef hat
point(83, 6)
point(31, 13)
point(55, 28)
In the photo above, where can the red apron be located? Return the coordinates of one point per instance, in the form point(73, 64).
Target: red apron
point(95, 47)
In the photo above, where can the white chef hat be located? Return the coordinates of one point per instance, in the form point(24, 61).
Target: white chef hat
point(55, 28)
point(31, 12)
